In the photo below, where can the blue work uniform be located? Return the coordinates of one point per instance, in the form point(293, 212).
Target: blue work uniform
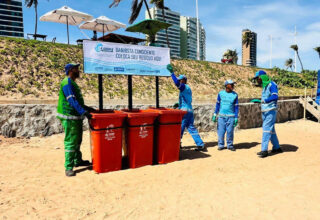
point(185, 103)
point(318, 90)
point(227, 110)
point(269, 101)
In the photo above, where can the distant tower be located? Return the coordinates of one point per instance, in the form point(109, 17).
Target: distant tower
point(249, 52)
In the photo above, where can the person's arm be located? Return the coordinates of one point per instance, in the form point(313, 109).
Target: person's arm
point(274, 94)
point(217, 105)
point(180, 86)
point(71, 98)
point(236, 107)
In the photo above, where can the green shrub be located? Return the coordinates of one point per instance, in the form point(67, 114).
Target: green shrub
point(296, 80)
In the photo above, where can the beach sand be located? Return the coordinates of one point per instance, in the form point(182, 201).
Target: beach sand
point(206, 185)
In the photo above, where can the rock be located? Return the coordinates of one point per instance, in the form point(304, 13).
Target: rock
point(7, 131)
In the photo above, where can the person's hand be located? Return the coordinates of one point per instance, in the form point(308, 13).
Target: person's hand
point(170, 68)
point(255, 101)
point(214, 118)
point(235, 122)
point(176, 105)
point(88, 115)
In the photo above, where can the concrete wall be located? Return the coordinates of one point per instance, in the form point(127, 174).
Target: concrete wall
point(39, 120)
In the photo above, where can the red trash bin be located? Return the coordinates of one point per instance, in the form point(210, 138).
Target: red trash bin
point(168, 134)
point(106, 140)
point(140, 131)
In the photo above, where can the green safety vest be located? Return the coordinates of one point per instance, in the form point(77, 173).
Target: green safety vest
point(65, 110)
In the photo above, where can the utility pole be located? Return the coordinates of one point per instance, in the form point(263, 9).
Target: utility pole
point(295, 52)
point(271, 38)
point(198, 34)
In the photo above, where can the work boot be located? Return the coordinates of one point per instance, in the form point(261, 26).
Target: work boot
point(232, 149)
point(277, 151)
point(70, 173)
point(262, 154)
point(200, 148)
point(83, 163)
point(221, 148)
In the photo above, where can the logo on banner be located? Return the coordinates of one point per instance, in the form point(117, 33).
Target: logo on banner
point(100, 48)
point(119, 69)
point(110, 135)
point(143, 131)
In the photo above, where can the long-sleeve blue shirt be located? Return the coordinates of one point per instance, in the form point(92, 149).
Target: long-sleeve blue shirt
point(274, 93)
point(185, 96)
point(69, 92)
point(180, 86)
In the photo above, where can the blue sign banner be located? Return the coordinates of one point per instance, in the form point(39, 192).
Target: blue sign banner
point(125, 59)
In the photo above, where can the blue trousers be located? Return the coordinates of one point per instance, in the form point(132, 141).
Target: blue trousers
point(269, 133)
point(188, 122)
point(225, 125)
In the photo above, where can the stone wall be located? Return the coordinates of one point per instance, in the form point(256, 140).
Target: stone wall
point(39, 120)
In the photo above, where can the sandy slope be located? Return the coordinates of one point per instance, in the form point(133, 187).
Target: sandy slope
point(211, 185)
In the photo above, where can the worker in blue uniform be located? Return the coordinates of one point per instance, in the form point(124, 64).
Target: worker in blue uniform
point(185, 103)
point(226, 114)
point(269, 102)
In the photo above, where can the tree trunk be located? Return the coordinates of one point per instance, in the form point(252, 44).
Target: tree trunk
point(164, 19)
point(300, 60)
point(146, 4)
point(36, 25)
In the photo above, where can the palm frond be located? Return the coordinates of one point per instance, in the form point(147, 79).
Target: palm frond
point(135, 10)
point(30, 3)
point(294, 47)
point(317, 49)
point(158, 3)
point(115, 3)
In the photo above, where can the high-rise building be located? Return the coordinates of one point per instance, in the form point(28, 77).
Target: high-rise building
point(249, 51)
point(11, 18)
point(189, 38)
point(203, 45)
point(172, 18)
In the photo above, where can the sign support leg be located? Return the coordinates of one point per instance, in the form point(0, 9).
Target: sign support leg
point(100, 92)
point(157, 92)
point(130, 92)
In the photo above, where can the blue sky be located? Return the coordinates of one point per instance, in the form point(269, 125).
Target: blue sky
point(223, 21)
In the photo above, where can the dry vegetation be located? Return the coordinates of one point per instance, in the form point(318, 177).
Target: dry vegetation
point(33, 70)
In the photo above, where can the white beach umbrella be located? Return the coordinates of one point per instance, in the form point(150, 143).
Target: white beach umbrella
point(102, 24)
point(67, 16)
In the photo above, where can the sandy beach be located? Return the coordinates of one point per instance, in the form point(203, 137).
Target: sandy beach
point(206, 185)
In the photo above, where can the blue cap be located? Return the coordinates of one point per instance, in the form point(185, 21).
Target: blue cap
point(181, 77)
point(260, 73)
point(229, 82)
point(69, 66)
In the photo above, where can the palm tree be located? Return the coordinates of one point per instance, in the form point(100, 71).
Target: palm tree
point(34, 3)
point(160, 4)
point(247, 38)
point(135, 8)
point(296, 49)
point(231, 55)
point(289, 64)
point(317, 49)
